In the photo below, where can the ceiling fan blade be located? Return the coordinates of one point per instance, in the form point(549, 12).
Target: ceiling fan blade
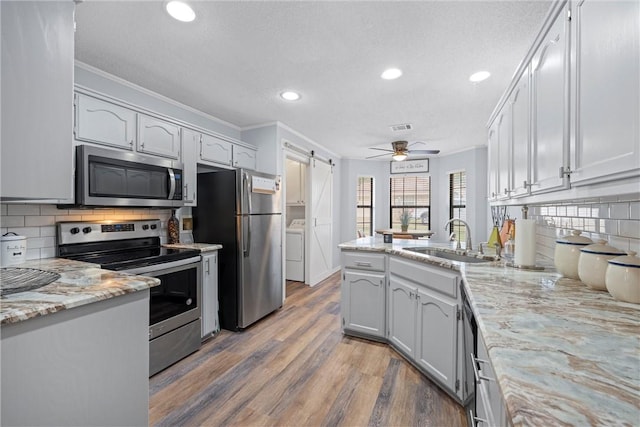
point(378, 155)
point(381, 149)
point(424, 151)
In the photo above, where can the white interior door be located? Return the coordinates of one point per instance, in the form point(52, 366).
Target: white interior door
point(320, 223)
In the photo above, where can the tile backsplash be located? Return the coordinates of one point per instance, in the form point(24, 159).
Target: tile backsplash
point(38, 222)
point(613, 218)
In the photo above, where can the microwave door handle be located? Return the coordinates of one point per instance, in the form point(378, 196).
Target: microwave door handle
point(172, 183)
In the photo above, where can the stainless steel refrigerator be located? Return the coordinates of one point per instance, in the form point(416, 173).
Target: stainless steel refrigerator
point(241, 210)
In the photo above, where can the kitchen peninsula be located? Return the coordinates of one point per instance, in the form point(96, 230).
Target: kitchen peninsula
point(76, 351)
point(562, 353)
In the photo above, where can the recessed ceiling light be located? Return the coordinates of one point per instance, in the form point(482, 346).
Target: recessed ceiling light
point(180, 11)
point(479, 76)
point(391, 74)
point(290, 95)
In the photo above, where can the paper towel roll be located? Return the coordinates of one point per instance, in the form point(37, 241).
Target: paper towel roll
point(525, 242)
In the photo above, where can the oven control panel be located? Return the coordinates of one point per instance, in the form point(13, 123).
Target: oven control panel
point(96, 231)
point(110, 228)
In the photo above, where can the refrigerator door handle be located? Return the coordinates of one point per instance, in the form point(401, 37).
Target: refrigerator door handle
point(247, 250)
point(245, 190)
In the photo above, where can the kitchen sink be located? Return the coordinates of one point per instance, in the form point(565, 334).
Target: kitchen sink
point(452, 256)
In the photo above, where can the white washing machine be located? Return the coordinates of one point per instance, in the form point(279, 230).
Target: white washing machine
point(295, 251)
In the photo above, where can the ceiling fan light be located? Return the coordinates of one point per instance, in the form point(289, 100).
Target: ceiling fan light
point(398, 157)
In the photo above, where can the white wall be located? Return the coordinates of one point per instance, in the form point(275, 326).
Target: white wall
point(474, 163)
point(265, 139)
point(352, 170)
point(107, 84)
point(270, 138)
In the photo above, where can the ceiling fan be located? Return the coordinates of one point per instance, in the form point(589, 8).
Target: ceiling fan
point(401, 151)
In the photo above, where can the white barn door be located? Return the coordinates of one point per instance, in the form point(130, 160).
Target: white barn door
point(320, 256)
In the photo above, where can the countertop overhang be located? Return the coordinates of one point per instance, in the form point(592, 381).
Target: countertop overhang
point(80, 283)
point(563, 354)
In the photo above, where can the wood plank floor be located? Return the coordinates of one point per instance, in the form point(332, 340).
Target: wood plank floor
point(295, 368)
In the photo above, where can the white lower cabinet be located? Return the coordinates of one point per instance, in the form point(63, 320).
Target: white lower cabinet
point(209, 303)
point(423, 318)
point(419, 306)
point(437, 336)
point(490, 407)
point(96, 360)
point(363, 295)
point(402, 315)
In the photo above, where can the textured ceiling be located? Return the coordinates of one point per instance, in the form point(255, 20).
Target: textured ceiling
point(237, 56)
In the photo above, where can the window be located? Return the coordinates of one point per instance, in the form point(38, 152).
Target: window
point(458, 203)
point(364, 208)
point(411, 194)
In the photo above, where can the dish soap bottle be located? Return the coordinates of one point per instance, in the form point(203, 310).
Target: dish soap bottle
point(510, 244)
point(174, 228)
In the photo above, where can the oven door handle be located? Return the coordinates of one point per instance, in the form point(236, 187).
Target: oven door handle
point(155, 268)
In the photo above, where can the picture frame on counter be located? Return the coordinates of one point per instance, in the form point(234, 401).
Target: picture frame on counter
point(410, 166)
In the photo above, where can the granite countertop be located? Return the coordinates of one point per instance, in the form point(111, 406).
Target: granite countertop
point(563, 354)
point(202, 247)
point(80, 283)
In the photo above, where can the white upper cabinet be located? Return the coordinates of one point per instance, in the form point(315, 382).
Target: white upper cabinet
point(215, 150)
point(548, 75)
point(243, 157)
point(190, 143)
point(606, 92)
point(37, 101)
point(504, 153)
point(158, 137)
point(102, 122)
point(493, 162)
point(295, 179)
point(520, 143)
point(584, 106)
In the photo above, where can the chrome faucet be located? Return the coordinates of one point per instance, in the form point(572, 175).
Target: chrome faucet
point(468, 244)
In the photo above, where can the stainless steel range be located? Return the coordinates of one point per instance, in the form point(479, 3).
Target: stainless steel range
point(134, 247)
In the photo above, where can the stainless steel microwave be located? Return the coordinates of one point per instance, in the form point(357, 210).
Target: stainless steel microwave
point(117, 178)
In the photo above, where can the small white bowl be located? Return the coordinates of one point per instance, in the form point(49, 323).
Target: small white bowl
point(623, 278)
point(592, 265)
point(567, 253)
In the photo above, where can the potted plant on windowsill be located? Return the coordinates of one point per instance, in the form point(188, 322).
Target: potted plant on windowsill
point(404, 220)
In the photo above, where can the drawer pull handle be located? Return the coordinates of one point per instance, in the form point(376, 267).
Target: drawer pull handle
point(363, 264)
point(476, 374)
point(476, 420)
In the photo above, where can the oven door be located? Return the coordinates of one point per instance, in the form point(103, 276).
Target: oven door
point(176, 301)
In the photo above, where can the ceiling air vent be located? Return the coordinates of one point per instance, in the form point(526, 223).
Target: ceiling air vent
point(401, 127)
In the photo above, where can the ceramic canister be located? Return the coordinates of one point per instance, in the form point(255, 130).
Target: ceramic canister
point(593, 264)
point(623, 278)
point(567, 253)
point(13, 250)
